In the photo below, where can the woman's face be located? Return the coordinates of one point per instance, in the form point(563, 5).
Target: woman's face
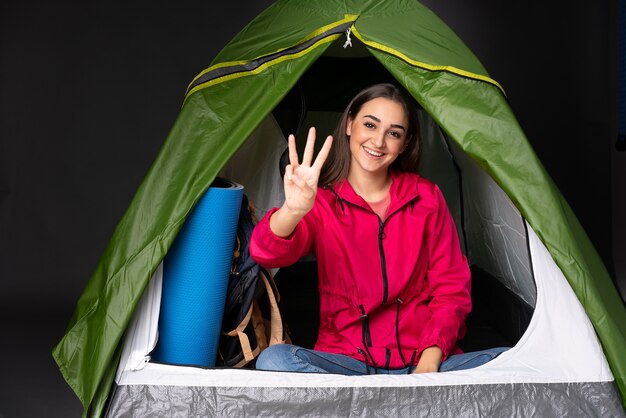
point(378, 134)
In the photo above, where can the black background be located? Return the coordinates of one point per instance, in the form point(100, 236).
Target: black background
point(89, 92)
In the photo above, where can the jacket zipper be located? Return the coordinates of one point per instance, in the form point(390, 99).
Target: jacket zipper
point(381, 250)
point(381, 236)
point(383, 261)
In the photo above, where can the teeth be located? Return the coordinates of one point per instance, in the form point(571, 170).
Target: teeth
point(374, 153)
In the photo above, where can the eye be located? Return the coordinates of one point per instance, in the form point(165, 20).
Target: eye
point(368, 124)
point(395, 134)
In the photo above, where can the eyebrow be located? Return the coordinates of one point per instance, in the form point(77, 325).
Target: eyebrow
point(393, 125)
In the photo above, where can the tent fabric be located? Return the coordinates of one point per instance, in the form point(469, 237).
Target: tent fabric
point(492, 229)
point(263, 183)
point(573, 400)
point(218, 115)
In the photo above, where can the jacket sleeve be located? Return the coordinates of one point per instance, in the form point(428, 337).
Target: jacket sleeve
point(449, 282)
point(271, 251)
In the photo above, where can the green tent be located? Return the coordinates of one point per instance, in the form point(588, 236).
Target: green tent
point(257, 73)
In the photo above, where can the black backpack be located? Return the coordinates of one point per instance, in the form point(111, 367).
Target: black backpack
point(245, 329)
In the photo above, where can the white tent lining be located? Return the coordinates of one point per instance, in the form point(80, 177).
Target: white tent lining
point(558, 337)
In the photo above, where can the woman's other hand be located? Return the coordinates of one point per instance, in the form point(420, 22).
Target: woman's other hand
point(430, 360)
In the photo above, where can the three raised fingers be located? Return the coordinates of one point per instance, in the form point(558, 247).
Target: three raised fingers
point(308, 151)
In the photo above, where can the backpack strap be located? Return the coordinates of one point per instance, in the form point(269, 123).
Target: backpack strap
point(276, 334)
point(248, 353)
point(276, 323)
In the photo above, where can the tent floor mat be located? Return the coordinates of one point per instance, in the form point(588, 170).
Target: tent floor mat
point(581, 399)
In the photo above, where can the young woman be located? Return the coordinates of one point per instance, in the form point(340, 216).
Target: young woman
point(394, 285)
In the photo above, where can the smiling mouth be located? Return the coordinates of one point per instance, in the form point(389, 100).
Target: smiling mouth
point(373, 153)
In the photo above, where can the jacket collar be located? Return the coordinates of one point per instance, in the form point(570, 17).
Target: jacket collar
point(404, 189)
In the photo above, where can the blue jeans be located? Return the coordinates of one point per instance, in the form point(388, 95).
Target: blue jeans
point(291, 358)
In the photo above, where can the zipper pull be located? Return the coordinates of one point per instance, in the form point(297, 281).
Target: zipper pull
point(348, 42)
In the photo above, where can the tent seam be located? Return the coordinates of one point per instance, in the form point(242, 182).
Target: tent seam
point(429, 67)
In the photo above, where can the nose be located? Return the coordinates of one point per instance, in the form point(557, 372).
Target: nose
point(378, 139)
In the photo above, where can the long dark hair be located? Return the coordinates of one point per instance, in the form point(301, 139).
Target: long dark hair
point(337, 164)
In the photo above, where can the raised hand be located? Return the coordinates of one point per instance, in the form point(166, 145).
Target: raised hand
point(300, 184)
point(301, 178)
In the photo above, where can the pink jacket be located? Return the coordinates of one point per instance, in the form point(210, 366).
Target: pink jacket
point(388, 289)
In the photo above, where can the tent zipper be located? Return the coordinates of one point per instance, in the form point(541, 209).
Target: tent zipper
point(225, 70)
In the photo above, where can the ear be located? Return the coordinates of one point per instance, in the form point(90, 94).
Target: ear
point(349, 126)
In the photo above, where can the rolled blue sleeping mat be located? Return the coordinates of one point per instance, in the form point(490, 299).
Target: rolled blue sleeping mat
point(195, 277)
